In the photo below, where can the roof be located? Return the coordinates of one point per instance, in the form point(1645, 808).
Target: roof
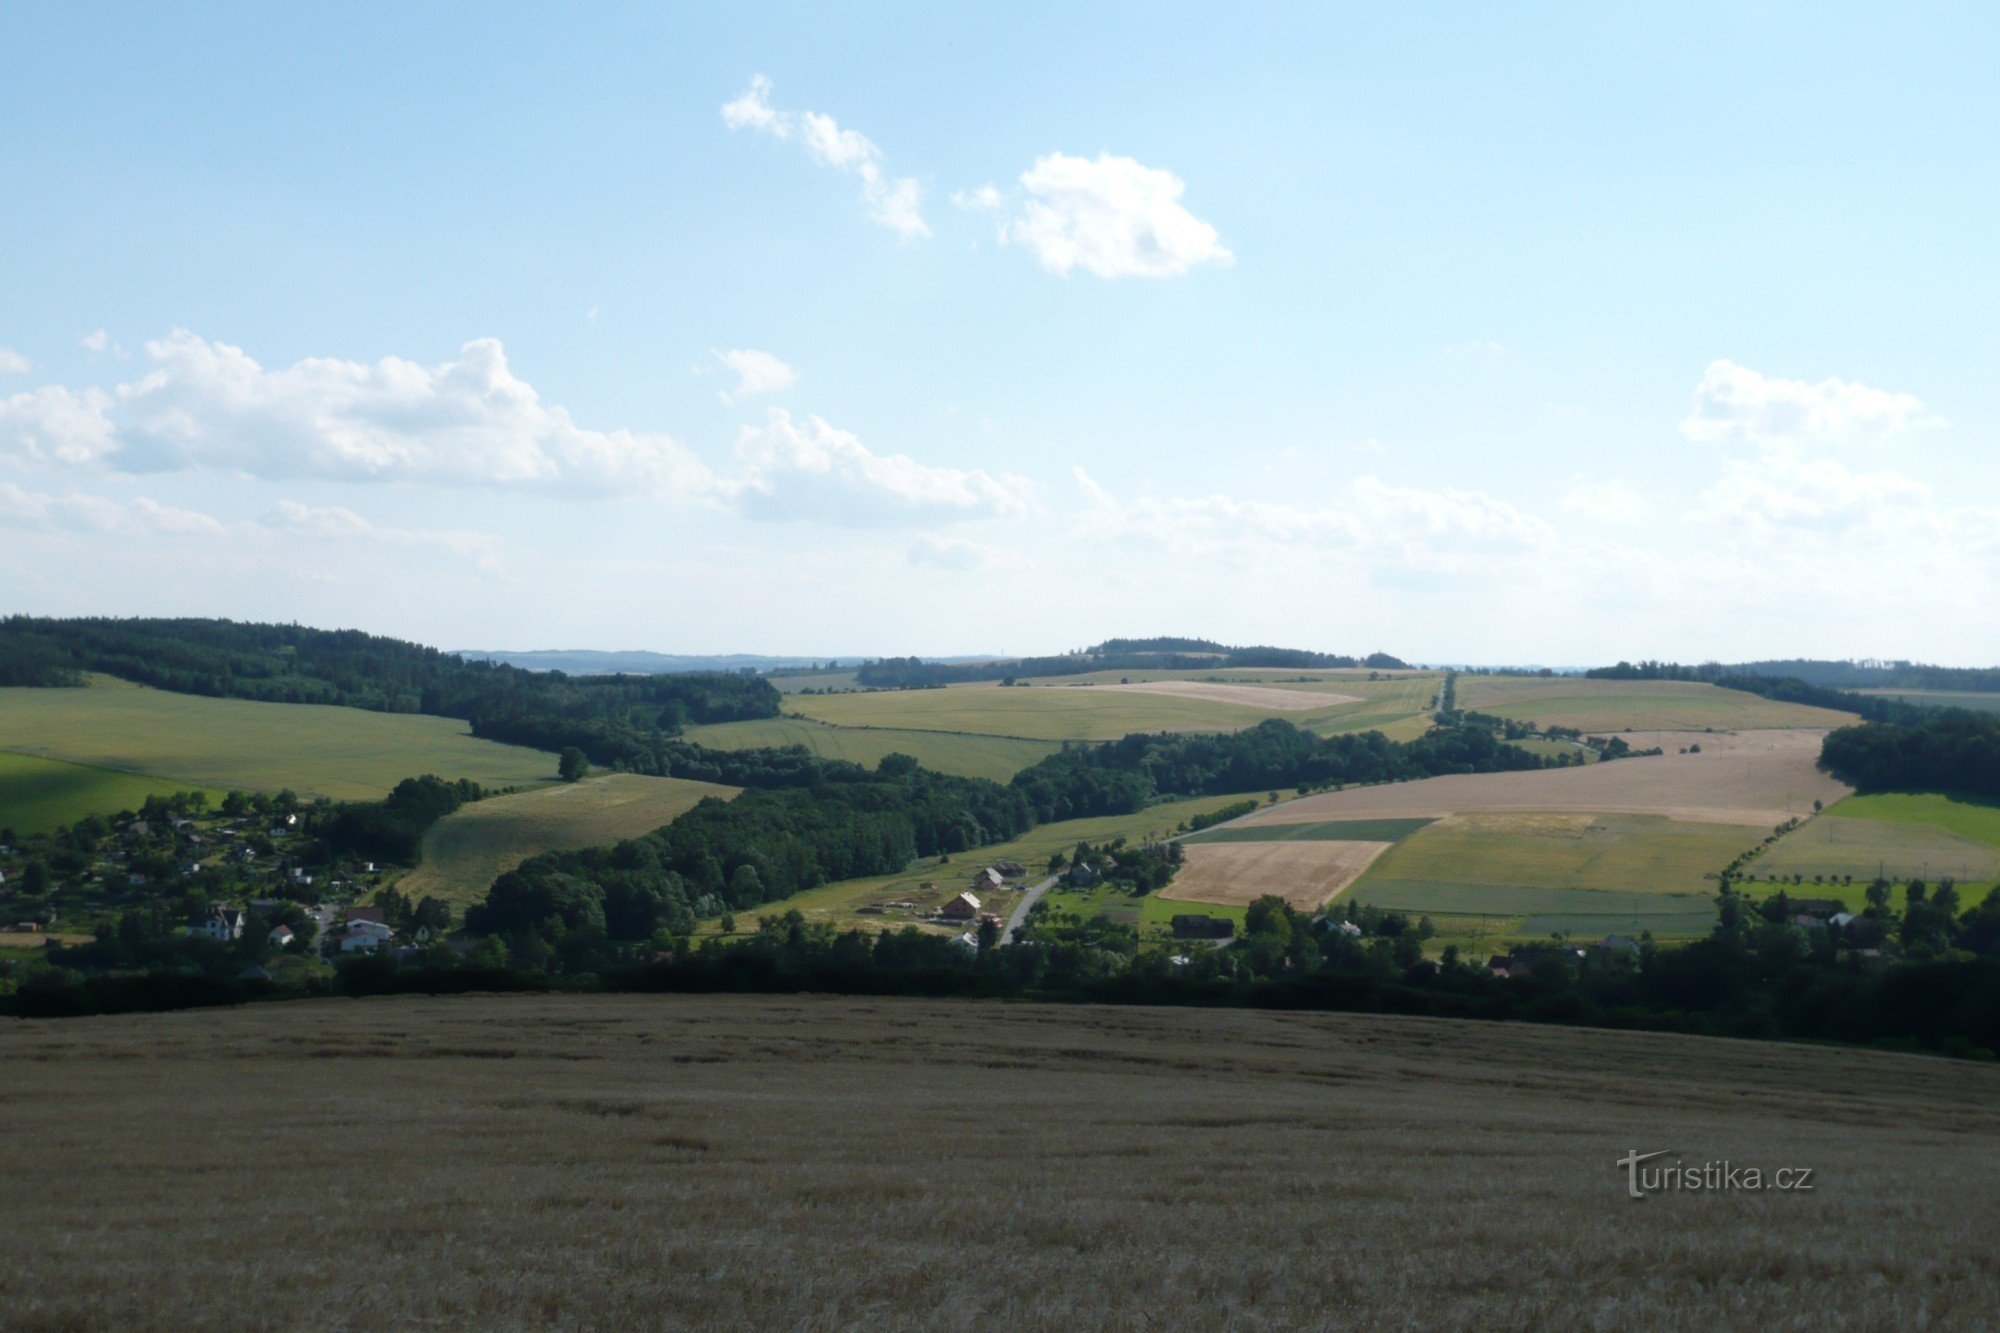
point(969, 899)
point(375, 914)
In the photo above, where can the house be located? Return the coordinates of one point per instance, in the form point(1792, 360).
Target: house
point(1842, 920)
point(371, 914)
point(222, 924)
point(27, 927)
point(139, 828)
point(300, 877)
point(1618, 946)
point(1340, 926)
point(365, 937)
point(1082, 875)
point(968, 941)
point(1201, 926)
point(281, 936)
point(1508, 965)
point(965, 907)
point(988, 879)
point(1814, 911)
point(1011, 869)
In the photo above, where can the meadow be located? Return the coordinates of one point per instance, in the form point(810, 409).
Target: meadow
point(1602, 706)
point(1978, 702)
point(997, 758)
point(314, 749)
point(1979, 820)
point(39, 795)
point(819, 1162)
point(465, 852)
point(1897, 850)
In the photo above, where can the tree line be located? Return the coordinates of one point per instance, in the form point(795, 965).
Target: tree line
point(1157, 654)
point(1951, 751)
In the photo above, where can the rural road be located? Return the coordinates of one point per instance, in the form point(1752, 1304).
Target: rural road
point(1022, 908)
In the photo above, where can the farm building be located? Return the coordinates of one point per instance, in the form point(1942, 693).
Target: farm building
point(1201, 926)
point(987, 880)
point(965, 907)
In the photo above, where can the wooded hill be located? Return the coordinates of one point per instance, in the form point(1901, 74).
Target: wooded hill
point(1158, 654)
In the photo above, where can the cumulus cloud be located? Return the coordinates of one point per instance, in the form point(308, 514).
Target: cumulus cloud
point(468, 422)
point(336, 523)
point(13, 363)
point(811, 470)
point(1781, 490)
point(95, 341)
point(1736, 405)
point(756, 372)
point(1607, 501)
point(934, 551)
point(1111, 216)
point(53, 424)
point(895, 203)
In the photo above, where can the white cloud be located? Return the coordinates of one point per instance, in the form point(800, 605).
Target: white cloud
point(756, 372)
point(895, 203)
point(469, 422)
point(1734, 404)
point(335, 523)
point(1111, 216)
point(981, 199)
point(1781, 490)
point(95, 341)
point(1607, 501)
point(934, 551)
point(100, 515)
point(13, 363)
point(53, 424)
point(813, 471)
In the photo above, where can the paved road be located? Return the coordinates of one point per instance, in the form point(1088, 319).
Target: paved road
point(1022, 908)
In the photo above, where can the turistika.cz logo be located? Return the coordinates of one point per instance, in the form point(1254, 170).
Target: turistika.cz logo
point(1706, 1177)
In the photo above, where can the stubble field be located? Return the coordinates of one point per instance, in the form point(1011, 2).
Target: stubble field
point(817, 1162)
point(1306, 874)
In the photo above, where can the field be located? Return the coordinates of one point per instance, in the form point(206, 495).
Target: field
point(316, 750)
point(1979, 820)
point(37, 795)
point(1584, 873)
point(996, 757)
point(466, 852)
point(821, 1162)
point(1978, 702)
point(1307, 874)
point(1864, 848)
point(1086, 709)
point(866, 903)
point(817, 680)
point(1600, 706)
point(1756, 778)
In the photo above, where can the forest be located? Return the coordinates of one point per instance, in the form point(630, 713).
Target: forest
point(1159, 654)
point(1943, 750)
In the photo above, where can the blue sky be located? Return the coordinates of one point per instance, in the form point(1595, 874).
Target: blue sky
point(1556, 334)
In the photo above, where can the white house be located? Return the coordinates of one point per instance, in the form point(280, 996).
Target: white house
point(968, 942)
point(282, 936)
point(222, 924)
point(365, 937)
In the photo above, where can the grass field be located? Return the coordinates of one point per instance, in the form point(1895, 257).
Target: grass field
point(316, 750)
point(466, 852)
point(1577, 872)
point(1864, 848)
point(37, 795)
point(825, 1162)
point(1979, 820)
point(1976, 701)
point(996, 757)
point(818, 680)
point(1067, 710)
point(840, 903)
point(1754, 778)
point(1634, 705)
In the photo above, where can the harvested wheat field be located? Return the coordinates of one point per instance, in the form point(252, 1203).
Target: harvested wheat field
point(1306, 874)
point(818, 1162)
point(1764, 778)
point(1250, 696)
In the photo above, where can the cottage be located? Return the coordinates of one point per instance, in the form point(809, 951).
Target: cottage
point(965, 907)
point(281, 937)
point(365, 937)
point(1201, 926)
point(371, 914)
point(1082, 875)
point(988, 879)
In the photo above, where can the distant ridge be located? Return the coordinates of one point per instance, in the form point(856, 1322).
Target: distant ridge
point(594, 662)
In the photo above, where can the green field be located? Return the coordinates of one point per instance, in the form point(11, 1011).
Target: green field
point(1332, 830)
point(1071, 711)
point(37, 795)
point(1556, 871)
point(1863, 848)
point(1978, 702)
point(466, 852)
point(839, 903)
point(314, 749)
point(1633, 705)
point(1979, 820)
point(996, 757)
point(817, 680)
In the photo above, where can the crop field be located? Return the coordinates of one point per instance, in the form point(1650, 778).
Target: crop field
point(817, 680)
point(819, 1161)
point(868, 903)
point(1864, 848)
point(1333, 830)
point(1762, 778)
point(314, 749)
point(1065, 709)
point(1306, 874)
point(1979, 820)
point(465, 852)
point(1601, 706)
point(1582, 873)
point(1978, 702)
point(37, 795)
point(995, 757)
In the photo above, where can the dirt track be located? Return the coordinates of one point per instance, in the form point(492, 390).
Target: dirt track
point(1756, 778)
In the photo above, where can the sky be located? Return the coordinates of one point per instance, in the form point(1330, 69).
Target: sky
point(1532, 334)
